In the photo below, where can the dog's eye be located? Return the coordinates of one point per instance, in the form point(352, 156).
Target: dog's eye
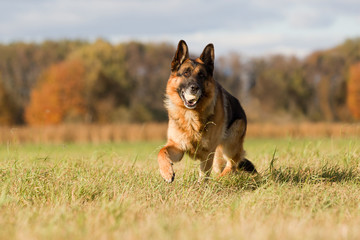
point(201, 75)
point(186, 73)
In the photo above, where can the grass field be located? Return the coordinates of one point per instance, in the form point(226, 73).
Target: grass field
point(307, 189)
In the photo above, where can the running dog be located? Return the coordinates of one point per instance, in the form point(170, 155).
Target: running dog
point(205, 121)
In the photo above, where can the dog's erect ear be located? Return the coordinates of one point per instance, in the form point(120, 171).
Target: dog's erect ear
point(208, 57)
point(182, 53)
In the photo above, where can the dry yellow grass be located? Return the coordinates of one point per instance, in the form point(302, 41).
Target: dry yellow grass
point(82, 133)
point(305, 129)
point(307, 189)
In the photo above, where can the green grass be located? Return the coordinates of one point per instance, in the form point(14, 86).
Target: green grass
point(307, 189)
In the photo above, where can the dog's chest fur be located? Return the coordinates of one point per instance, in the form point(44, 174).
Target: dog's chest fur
point(188, 125)
point(195, 132)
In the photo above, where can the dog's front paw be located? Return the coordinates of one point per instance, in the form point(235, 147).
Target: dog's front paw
point(167, 173)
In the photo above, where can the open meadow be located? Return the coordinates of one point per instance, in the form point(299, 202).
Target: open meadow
point(308, 188)
point(91, 90)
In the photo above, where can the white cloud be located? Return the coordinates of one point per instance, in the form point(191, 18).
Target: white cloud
point(306, 17)
point(250, 27)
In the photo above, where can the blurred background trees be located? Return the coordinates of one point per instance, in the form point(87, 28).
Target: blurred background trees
point(353, 88)
point(58, 96)
point(8, 107)
point(99, 82)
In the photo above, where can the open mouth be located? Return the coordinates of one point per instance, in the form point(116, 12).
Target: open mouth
point(190, 100)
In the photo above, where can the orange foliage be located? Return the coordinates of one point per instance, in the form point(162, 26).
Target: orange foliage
point(353, 90)
point(59, 95)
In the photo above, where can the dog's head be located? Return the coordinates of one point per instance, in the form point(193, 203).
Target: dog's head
point(191, 82)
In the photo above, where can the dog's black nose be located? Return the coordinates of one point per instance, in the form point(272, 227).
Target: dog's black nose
point(194, 89)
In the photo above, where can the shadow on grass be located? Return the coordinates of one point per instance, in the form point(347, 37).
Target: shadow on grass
point(289, 175)
point(313, 176)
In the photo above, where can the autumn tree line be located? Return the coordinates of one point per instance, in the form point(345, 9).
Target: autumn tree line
point(77, 81)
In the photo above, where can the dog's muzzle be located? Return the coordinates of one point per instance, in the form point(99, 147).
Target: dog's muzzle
point(191, 96)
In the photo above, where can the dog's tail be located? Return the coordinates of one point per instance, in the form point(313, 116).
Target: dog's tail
point(247, 166)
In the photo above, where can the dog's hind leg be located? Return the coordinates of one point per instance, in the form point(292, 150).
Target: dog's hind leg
point(219, 161)
point(233, 150)
point(231, 164)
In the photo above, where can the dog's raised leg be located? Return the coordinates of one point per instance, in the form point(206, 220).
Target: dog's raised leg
point(166, 157)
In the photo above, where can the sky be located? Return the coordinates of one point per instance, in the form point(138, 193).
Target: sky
point(249, 27)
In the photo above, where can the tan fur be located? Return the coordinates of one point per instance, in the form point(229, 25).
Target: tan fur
point(200, 132)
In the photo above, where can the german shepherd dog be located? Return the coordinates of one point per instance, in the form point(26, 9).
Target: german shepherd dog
point(205, 121)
